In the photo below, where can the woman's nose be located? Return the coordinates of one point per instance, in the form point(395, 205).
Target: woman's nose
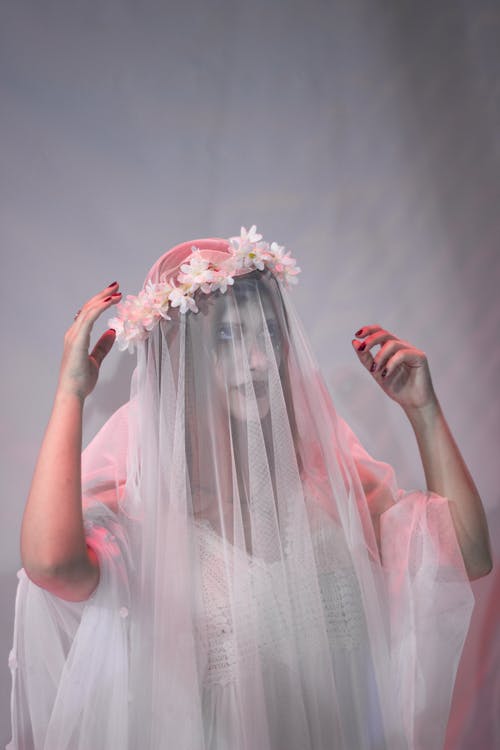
point(257, 358)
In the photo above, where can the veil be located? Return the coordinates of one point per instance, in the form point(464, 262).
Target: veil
point(267, 583)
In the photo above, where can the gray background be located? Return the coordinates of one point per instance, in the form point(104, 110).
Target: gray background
point(363, 135)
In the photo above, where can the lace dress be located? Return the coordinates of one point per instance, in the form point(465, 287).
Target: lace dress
point(345, 629)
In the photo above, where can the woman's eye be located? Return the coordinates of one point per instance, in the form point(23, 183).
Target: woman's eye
point(232, 333)
point(228, 332)
point(273, 331)
point(224, 333)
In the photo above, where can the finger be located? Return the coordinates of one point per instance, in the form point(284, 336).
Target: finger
point(376, 339)
point(103, 346)
point(386, 351)
point(364, 355)
point(373, 362)
point(98, 298)
point(373, 335)
point(79, 333)
point(92, 310)
point(110, 289)
point(367, 331)
point(410, 356)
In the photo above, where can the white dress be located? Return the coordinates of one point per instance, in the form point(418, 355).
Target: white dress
point(70, 661)
point(346, 629)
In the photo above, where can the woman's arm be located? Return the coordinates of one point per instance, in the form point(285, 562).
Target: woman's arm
point(53, 547)
point(403, 373)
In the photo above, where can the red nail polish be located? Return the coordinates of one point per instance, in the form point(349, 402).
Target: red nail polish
point(113, 283)
point(362, 347)
point(358, 333)
point(108, 299)
point(384, 372)
point(373, 367)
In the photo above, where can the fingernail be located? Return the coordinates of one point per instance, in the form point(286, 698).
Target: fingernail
point(362, 347)
point(108, 299)
point(113, 329)
point(384, 372)
point(358, 333)
point(373, 367)
point(117, 294)
point(113, 283)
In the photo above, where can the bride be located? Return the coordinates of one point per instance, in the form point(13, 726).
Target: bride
point(225, 567)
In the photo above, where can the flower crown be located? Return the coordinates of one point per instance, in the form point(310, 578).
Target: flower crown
point(138, 315)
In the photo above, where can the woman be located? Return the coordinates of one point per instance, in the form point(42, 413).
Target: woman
point(243, 574)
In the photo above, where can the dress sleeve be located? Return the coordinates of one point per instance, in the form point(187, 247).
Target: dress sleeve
point(69, 660)
point(430, 599)
point(431, 605)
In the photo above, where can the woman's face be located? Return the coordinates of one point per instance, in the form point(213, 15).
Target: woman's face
point(242, 358)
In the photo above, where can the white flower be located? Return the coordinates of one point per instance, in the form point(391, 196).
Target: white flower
point(246, 238)
point(180, 298)
point(277, 251)
point(222, 281)
point(243, 245)
point(146, 311)
point(128, 333)
point(135, 318)
point(251, 236)
point(290, 274)
point(238, 251)
point(258, 256)
point(195, 273)
point(248, 250)
point(117, 325)
point(283, 264)
point(157, 295)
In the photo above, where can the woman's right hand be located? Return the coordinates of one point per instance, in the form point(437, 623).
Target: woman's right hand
point(79, 368)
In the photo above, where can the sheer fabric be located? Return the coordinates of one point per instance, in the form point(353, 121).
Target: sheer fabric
point(264, 583)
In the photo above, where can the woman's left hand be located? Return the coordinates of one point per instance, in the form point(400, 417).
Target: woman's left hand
point(401, 370)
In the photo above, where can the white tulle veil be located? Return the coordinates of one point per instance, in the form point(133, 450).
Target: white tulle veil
point(284, 594)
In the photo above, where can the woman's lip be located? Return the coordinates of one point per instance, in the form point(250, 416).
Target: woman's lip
point(260, 387)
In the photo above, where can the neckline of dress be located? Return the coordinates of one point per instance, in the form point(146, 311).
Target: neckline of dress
point(249, 558)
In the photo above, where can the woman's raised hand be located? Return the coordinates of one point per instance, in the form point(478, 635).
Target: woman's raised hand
point(79, 368)
point(401, 370)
